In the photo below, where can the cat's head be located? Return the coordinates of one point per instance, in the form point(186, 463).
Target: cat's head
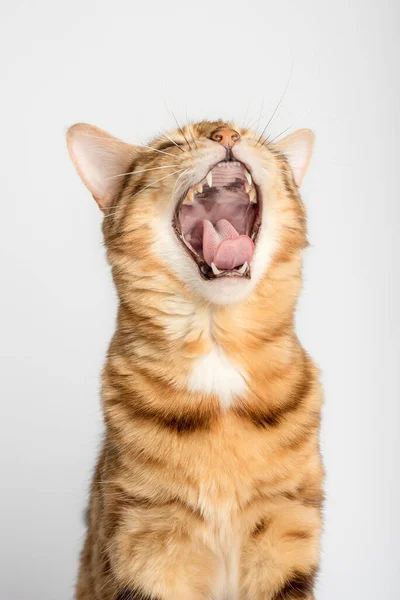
point(210, 205)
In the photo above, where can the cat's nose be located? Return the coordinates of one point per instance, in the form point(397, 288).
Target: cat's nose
point(226, 137)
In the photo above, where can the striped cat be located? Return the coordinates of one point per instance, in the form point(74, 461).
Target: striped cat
point(209, 483)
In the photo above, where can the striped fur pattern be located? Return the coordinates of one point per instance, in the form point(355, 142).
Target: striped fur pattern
point(214, 491)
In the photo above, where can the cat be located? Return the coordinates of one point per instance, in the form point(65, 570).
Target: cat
point(210, 479)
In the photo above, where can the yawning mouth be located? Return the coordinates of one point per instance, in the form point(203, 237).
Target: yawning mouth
point(218, 221)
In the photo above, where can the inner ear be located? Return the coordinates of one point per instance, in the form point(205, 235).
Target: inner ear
point(298, 148)
point(100, 159)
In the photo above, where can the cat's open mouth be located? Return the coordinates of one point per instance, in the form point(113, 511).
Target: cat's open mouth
point(218, 221)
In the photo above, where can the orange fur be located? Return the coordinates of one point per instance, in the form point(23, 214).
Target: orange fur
point(193, 500)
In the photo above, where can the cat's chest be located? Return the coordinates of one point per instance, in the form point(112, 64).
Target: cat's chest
point(217, 375)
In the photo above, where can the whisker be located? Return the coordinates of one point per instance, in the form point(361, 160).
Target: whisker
point(194, 141)
point(278, 105)
point(141, 171)
point(99, 137)
point(180, 129)
point(259, 116)
point(157, 150)
point(252, 123)
point(277, 136)
point(246, 113)
point(173, 141)
point(177, 179)
point(144, 188)
point(191, 135)
point(290, 126)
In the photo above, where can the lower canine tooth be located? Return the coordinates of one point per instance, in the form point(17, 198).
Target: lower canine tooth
point(243, 269)
point(215, 269)
point(199, 188)
point(209, 179)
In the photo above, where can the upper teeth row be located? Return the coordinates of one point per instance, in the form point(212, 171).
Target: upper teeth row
point(230, 163)
point(223, 164)
point(235, 164)
point(249, 187)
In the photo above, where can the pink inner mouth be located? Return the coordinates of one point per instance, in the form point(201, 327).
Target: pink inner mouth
point(219, 219)
point(223, 246)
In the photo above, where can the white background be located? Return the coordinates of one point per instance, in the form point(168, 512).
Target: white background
point(119, 65)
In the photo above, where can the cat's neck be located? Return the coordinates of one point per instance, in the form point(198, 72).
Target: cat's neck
point(167, 334)
point(187, 329)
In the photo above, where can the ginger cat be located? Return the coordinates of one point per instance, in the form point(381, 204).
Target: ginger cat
point(209, 483)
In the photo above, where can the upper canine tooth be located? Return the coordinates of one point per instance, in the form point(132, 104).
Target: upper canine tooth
point(189, 197)
point(199, 188)
point(248, 176)
point(215, 269)
point(243, 268)
point(252, 195)
point(209, 179)
point(247, 187)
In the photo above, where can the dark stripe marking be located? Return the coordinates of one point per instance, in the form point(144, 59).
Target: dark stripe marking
point(314, 498)
point(298, 535)
point(134, 594)
point(261, 527)
point(299, 586)
point(274, 417)
point(179, 423)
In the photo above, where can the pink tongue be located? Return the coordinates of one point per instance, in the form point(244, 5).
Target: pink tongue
point(223, 246)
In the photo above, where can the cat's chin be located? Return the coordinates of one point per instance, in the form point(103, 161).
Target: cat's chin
point(225, 290)
point(217, 290)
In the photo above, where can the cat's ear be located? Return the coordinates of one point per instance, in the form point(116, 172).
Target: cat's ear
point(298, 148)
point(100, 159)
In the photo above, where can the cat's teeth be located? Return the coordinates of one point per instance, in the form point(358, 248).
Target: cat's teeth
point(243, 268)
point(209, 179)
point(215, 269)
point(189, 197)
point(248, 176)
point(199, 188)
point(250, 190)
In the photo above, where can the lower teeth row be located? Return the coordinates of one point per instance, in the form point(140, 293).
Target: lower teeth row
point(242, 270)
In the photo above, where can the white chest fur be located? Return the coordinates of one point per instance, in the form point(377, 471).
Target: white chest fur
point(213, 373)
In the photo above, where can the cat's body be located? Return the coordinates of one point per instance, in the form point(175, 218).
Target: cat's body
point(209, 484)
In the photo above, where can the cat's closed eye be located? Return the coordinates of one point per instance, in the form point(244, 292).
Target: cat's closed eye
point(170, 144)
